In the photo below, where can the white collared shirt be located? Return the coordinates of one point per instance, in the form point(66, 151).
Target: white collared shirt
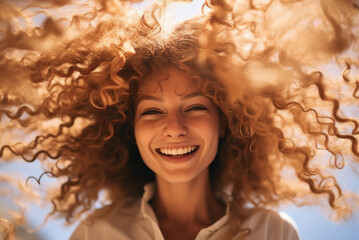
point(136, 220)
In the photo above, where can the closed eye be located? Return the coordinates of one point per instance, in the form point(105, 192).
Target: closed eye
point(151, 112)
point(196, 108)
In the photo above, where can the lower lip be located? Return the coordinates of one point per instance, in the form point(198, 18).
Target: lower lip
point(179, 159)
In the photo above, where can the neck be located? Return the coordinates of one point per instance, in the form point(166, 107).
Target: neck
point(186, 204)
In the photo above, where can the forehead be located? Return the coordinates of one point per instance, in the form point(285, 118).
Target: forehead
point(169, 79)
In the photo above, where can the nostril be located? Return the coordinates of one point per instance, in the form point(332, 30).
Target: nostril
point(175, 125)
point(175, 131)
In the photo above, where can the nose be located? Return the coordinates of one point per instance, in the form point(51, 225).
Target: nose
point(175, 126)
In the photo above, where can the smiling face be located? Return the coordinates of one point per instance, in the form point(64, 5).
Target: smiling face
point(176, 127)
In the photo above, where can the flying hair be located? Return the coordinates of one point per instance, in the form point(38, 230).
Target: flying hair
point(282, 73)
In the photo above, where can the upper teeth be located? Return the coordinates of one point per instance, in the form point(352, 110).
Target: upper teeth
point(177, 151)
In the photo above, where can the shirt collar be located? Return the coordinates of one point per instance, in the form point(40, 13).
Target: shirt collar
point(146, 209)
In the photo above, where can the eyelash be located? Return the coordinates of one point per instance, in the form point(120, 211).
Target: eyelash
point(154, 111)
point(150, 112)
point(196, 108)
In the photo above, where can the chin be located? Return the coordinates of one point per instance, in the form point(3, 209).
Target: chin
point(177, 178)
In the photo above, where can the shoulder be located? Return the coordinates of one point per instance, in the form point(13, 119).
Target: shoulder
point(269, 225)
point(114, 223)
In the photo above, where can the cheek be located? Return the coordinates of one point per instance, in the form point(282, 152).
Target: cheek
point(144, 135)
point(212, 141)
point(212, 126)
point(141, 136)
point(213, 132)
point(209, 131)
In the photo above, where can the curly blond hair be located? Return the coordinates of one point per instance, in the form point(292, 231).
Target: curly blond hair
point(280, 88)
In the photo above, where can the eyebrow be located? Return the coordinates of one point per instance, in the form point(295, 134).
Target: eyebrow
point(153, 98)
point(191, 95)
point(148, 97)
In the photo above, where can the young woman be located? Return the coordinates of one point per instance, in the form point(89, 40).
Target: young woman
point(177, 128)
point(188, 131)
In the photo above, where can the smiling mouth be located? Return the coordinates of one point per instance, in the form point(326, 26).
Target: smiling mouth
point(177, 152)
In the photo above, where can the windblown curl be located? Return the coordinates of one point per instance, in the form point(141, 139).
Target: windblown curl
point(283, 74)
